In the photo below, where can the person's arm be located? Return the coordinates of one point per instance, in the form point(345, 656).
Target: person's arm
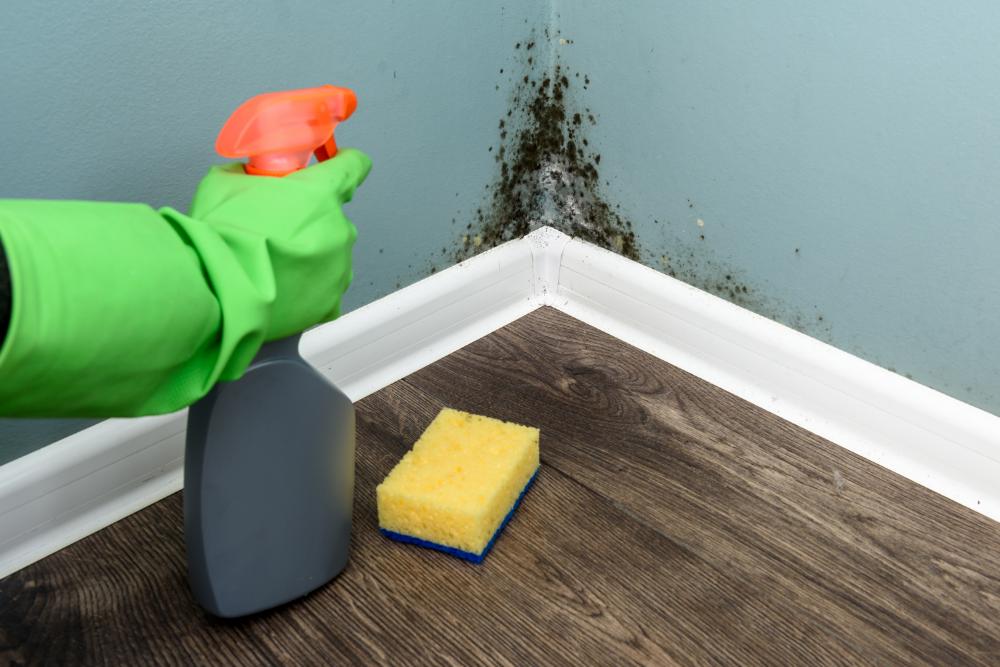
point(4, 295)
point(121, 310)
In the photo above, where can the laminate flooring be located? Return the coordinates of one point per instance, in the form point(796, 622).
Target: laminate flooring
point(671, 523)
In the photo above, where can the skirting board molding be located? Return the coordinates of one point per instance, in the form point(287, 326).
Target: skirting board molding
point(74, 487)
point(935, 440)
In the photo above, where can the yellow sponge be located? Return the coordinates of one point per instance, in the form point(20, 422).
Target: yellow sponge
point(460, 484)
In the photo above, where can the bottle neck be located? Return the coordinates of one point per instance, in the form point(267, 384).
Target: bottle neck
point(283, 348)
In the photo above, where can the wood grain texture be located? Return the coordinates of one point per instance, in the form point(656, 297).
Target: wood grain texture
point(672, 523)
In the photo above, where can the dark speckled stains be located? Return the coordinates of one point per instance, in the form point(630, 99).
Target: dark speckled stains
point(686, 253)
point(547, 174)
point(695, 267)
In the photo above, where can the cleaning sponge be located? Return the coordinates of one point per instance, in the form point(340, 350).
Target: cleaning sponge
point(460, 484)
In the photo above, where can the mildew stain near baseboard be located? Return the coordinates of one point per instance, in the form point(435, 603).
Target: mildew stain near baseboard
point(547, 173)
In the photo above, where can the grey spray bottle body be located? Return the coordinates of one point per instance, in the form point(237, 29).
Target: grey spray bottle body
point(268, 485)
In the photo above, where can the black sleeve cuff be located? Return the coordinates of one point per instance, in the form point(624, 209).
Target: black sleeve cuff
point(4, 295)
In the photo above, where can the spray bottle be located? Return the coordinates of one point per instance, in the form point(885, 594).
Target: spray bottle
point(269, 461)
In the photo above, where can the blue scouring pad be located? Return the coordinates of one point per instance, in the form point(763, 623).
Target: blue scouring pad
point(465, 555)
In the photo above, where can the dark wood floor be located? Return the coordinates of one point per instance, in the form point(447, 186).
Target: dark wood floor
point(672, 523)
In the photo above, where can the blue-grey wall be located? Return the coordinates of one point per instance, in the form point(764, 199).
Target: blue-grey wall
point(123, 100)
point(843, 157)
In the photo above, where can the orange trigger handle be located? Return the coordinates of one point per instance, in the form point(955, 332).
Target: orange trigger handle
point(278, 132)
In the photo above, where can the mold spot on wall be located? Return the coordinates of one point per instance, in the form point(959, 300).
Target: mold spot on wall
point(546, 172)
point(697, 267)
point(684, 252)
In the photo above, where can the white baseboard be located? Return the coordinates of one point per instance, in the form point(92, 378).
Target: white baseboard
point(940, 442)
point(74, 487)
point(80, 484)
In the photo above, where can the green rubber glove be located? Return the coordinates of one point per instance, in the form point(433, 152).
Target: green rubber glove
point(119, 310)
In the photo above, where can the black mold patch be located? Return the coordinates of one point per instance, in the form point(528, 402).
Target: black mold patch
point(547, 175)
point(694, 266)
point(691, 260)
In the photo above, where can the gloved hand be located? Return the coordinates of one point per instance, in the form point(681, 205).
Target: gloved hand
point(119, 310)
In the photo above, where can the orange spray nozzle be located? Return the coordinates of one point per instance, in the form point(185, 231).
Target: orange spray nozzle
point(277, 132)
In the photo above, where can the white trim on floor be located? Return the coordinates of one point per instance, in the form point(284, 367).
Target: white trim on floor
point(935, 440)
point(74, 487)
